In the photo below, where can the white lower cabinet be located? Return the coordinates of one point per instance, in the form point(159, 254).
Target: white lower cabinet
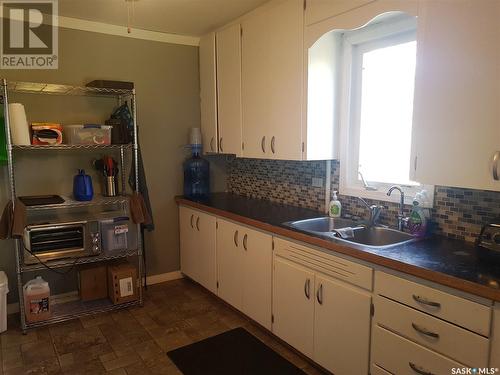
point(321, 304)
point(326, 319)
point(244, 262)
point(341, 327)
point(495, 344)
point(401, 356)
point(293, 305)
point(197, 247)
point(431, 330)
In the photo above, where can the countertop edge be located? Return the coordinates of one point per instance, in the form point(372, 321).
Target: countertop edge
point(429, 275)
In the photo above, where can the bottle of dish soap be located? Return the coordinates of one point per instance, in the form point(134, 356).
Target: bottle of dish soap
point(335, 206)
point(419, 217)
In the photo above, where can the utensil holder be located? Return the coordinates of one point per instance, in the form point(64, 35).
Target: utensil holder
point(110, 188)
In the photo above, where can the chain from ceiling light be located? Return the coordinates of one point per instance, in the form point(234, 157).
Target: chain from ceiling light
point(130, 13)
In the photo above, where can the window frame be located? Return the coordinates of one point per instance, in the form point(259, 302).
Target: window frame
point(354, 44)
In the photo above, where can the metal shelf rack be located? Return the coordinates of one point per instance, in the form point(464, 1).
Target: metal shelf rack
point(71, 203)
point(70, 147)
point(74, 309)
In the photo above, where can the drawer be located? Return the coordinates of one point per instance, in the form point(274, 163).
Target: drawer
point(327, 264)
point(375, 370)
point(410, 359)
point(423, 328)
point(460, 311)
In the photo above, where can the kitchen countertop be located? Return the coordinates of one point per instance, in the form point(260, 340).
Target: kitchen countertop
point(457, 264)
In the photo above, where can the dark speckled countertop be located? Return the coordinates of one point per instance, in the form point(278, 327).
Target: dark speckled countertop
point(453, 263)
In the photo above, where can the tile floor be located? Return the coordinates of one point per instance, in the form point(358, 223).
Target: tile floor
point(129, 342)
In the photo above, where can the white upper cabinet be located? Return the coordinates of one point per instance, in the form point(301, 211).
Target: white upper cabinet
point(456, 127)
point(208, 93)
point(229, 89)
point(272, 81)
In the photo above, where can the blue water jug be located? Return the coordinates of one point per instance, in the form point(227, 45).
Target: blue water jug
point(196, 176)
point(82, 186)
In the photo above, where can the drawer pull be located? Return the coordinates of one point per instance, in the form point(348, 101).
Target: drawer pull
point(212, 144)
point(319, 294)
point(198, 223)
point(419, 370)
point(245, 241)
point(192, 217)
point(425, 331)
point(424, 301)
point(263, 144)
point(307, 288)
point(235, 238)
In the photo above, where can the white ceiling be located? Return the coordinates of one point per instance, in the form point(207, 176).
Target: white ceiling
point(186, 17)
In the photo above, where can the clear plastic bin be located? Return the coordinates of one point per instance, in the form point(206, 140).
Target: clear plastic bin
point(4, 289)
point(87, 134)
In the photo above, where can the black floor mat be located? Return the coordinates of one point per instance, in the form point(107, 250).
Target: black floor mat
point(235, 352)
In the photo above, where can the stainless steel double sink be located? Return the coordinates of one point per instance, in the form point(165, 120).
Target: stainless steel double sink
point(352, 232)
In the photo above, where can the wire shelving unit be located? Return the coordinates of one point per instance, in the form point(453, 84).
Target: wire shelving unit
point(74, 309)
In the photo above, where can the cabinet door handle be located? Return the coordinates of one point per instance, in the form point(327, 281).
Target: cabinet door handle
point(307, 288)
point(192, 217)
point(272, 144)
point(496, 159)
point(319, 294)
point(425, 331)
point(212, 144)
point(424, 301)
point(263, 144)
point(245, 241)
point(220, 144)
point(419, 370)
point(235, 238)
point(198, 223)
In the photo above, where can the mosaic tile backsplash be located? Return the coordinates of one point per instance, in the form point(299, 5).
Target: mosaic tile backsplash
point(457, 213)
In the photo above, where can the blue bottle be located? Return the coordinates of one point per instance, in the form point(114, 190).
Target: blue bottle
point(82, 187)
point(196, 176)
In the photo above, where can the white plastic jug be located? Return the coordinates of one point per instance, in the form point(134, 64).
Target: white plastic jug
point(37, 300)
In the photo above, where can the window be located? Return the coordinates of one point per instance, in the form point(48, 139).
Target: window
point(380, 63)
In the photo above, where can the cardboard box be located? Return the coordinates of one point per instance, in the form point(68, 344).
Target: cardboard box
point(122, 283)
point(93, 282)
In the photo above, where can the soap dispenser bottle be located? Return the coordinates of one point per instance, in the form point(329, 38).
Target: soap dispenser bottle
point(335, 206)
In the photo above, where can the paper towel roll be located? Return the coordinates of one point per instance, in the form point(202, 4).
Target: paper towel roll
point(19, 128)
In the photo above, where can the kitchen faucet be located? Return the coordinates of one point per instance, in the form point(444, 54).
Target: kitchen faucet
point(375, 211)
point(401, 217)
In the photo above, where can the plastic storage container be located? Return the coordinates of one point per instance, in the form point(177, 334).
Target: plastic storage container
point(87, 134)
point(196, 176)
point(4, 289)
point(118, 234)
point(37, 300)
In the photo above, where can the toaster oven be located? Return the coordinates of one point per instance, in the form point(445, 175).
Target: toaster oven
point(45, 242)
